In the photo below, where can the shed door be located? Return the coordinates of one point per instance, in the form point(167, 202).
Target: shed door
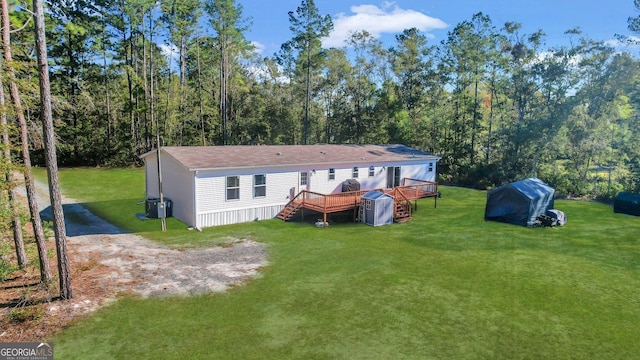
point(393, 176)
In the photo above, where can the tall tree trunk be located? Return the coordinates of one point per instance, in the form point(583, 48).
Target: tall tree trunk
point(71, 73)
point(307, 98)
point(224, 68)
point(110, 128)
point(16, 223)
point(183, 62)
point(45, 268)
point(474, 125)
point(131, 107)
point(50, 154)
point(201, 108)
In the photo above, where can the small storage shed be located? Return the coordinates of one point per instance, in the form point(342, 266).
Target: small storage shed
point(378, 208)
point(519, 202)
point(627, 203)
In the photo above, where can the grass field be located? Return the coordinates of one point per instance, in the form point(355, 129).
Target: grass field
point(447, 285)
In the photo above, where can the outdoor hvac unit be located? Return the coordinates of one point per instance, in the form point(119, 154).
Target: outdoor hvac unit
point(157, 210)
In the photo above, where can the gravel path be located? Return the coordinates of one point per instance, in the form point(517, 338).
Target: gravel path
point(135, 264)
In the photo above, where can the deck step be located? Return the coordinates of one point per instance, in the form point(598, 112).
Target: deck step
point(402, 212)
point(288, 211)
point(403, 219)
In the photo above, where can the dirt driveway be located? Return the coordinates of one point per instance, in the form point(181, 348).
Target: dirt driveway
point(107, 261)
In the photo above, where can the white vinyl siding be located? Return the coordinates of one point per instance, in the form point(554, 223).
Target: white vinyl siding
point(213, 210)
point(420, 172)
point(320, 181)
point(177, 185)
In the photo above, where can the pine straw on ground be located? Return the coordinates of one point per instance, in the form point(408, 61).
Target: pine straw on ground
point(33, 311)
point(107, 262)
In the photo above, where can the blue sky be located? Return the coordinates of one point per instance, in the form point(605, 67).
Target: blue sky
point(599, 20)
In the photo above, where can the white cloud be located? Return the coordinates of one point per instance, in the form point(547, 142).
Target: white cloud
point(172, 53)
point(631, 41)
point(573, 61)
point(377, 21)
point(261, 73)
point(169, 50)
point(258, 48)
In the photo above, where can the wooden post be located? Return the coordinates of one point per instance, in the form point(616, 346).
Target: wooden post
point(435, 198)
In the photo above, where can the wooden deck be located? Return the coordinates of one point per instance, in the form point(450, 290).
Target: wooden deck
point(411, 189)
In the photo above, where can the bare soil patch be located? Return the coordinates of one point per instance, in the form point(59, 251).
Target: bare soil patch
point(107, 262)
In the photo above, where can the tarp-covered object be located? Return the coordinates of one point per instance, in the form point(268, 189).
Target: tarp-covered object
point(520, 202)
point(552, 218)
point(350, 185)
point(627, 203)
point(558, 215)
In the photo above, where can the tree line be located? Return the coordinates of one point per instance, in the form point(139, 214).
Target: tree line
point(494, 102)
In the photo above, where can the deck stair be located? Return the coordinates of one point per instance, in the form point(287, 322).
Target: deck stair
point(401, 214)
point(402, 210)
point(291, 208)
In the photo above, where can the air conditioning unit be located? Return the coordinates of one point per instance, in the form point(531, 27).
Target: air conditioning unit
point(156, 209)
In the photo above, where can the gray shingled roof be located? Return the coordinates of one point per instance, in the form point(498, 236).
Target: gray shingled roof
point(218, 157)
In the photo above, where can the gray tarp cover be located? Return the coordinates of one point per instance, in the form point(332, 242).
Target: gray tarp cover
point(350, 185)
point(519, 202)
point(627, 203)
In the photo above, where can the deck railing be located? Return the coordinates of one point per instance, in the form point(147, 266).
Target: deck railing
point(418, 189)
point(411, 189)
point(332, 202)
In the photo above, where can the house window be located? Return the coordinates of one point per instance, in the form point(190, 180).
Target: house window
point(259, 186)
point(304, 178)
point(332, 174)
point(355, 172)
point(372, 171)
point(367, 204)
point(233, 187)
point(430, 167)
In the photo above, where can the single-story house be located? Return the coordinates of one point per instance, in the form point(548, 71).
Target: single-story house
point(218, 185)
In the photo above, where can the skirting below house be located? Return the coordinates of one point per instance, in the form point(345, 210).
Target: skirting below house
point(238, 216)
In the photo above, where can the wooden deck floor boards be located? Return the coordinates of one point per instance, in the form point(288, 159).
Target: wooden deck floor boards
point(338, 202)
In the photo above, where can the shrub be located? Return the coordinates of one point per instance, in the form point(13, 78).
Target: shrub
point(27, 313)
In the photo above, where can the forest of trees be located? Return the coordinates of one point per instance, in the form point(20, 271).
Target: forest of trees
point(495, 103)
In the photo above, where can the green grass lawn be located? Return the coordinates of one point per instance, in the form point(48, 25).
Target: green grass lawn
point(447, 285)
